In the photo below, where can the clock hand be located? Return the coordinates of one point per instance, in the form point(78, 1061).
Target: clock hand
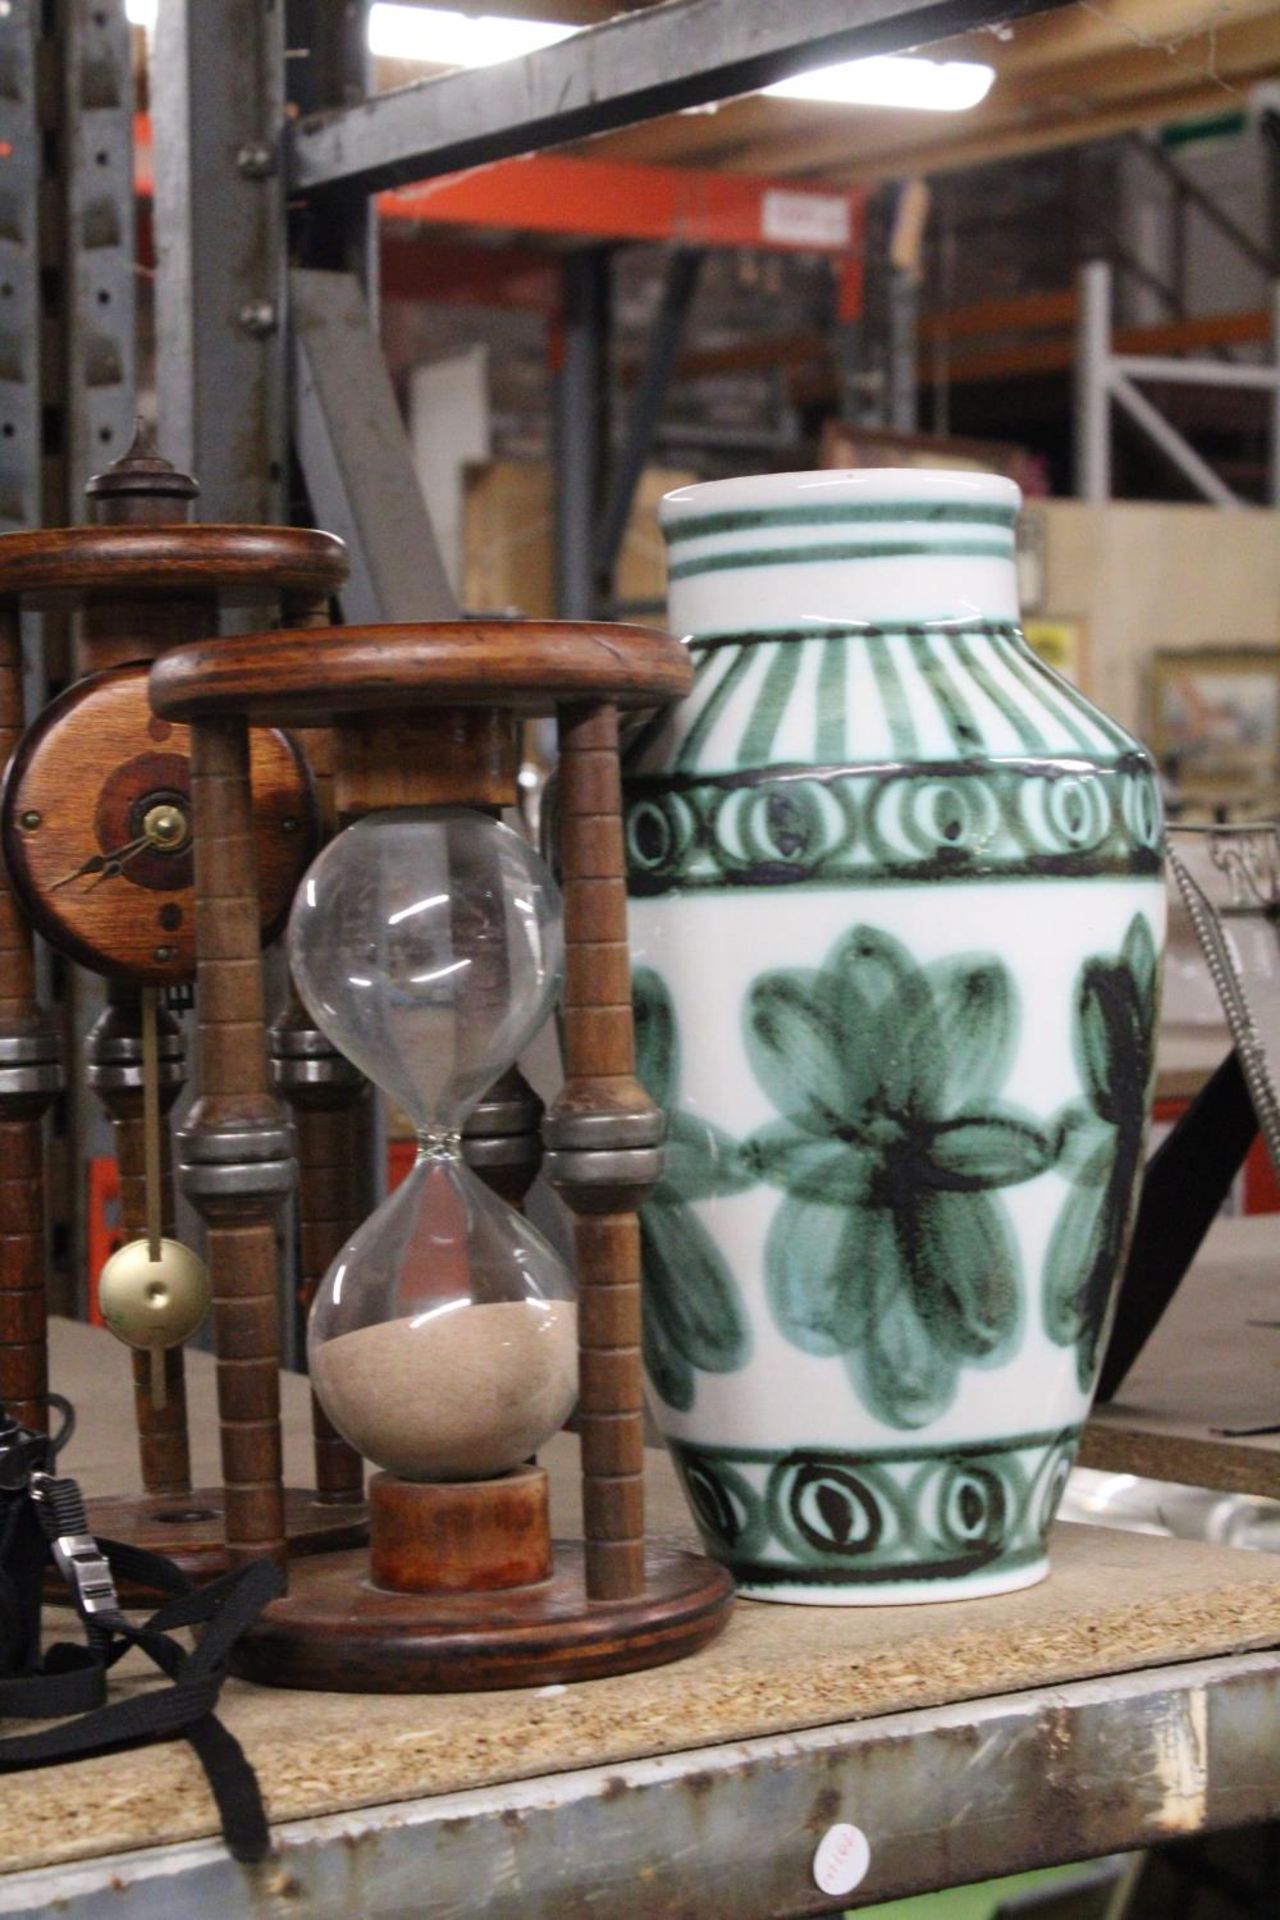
point(114, 862)
point(98, 862)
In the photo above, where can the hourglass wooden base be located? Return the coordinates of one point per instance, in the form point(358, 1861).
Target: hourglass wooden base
point(335, 1632)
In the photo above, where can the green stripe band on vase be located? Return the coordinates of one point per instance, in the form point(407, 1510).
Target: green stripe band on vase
point(724, 562)
point(754, 519)
point(890, 826)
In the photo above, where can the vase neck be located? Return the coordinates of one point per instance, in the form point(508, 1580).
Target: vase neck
point(856, 563)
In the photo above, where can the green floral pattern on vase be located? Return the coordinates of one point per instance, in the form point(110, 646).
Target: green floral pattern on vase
point(890, 1247)
point(1114, 1044)
point(694, 1317)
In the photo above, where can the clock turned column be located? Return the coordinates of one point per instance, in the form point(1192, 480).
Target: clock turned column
point(30, 1076)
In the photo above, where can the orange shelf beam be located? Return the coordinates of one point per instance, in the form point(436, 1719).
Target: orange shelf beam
point(609, 199)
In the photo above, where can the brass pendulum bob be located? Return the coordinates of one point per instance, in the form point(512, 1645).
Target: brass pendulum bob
point(153, 1292)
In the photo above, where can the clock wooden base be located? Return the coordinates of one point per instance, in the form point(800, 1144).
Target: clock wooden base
point(188, 1529)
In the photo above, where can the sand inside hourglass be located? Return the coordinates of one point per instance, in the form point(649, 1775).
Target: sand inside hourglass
point(455, 1395)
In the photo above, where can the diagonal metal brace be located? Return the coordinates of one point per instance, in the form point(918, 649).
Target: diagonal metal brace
point(646, 409)
point(355, 457)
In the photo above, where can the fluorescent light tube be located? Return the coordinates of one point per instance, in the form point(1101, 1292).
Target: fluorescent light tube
point(443, 37)
point(893, 80)
point(440, 37)
point(436, 36)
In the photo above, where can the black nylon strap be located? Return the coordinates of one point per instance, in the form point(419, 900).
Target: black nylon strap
point(156, 1715)
point(1189, 1177)
point(225, 1608)
point(234, 1786)
point(51, 1693)
point(136, 1565)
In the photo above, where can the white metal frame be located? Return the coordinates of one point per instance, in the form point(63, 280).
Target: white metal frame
point(1104, 376)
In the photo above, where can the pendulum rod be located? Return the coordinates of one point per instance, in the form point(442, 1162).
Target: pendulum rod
point(30, 1076)
point(118, 1074)
point(603, 1133)
point(237, 1164)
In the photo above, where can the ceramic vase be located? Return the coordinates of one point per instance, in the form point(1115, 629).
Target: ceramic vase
point(897, 910)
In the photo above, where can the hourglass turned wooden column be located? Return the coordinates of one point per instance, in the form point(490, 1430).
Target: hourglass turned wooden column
point(468, 1590)
point(329, 1101)
point(237, 1148)
point(605, 1136)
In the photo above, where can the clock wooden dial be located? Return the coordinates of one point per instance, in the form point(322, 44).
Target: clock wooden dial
point(96, 826)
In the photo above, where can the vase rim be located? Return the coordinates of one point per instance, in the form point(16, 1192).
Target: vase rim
point(882, 485)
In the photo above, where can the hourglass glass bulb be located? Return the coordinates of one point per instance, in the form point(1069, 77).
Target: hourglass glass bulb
point(443, 1341)
point(427, 944)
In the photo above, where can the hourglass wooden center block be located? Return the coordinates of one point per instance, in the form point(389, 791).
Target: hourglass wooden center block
point(447, 1341)
point(460, 1536)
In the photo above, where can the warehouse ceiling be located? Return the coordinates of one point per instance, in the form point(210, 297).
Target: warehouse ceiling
point(1084, 71)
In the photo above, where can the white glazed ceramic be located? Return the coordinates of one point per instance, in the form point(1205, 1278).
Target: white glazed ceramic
point(896, 916)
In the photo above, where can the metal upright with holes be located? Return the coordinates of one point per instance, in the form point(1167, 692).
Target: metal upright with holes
point(67, 254)
point(101, 249)
point(218, 127)
point(22, 135)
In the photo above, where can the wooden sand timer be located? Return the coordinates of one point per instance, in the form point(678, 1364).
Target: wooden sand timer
point(97, 838)
point(445, 1342)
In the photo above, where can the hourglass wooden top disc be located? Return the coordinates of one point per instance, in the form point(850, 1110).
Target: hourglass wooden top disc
point(97, 829)
point(315, 679)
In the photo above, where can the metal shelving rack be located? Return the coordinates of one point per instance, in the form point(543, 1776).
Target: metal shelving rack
point(250, 361)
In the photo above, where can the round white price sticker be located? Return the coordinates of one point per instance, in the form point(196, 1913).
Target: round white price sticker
point(842, 1859)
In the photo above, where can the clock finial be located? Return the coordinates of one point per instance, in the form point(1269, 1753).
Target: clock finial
point(141, 487)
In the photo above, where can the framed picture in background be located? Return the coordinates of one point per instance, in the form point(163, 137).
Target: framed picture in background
point(1215, 717)
point(1062, 644)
